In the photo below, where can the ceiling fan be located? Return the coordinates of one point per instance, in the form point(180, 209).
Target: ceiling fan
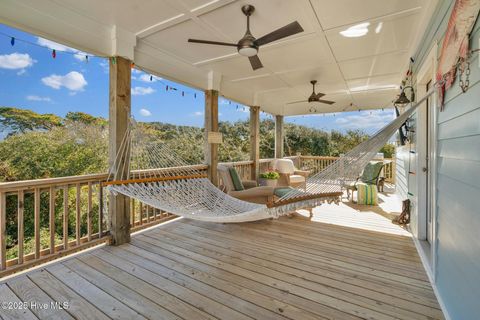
point(248, 46)
point(314, 97)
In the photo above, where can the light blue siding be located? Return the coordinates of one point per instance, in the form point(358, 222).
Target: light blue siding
point(458, 184)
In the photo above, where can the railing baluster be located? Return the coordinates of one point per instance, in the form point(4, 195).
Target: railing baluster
point(3, 231)
point(149, 209)
point(65, 218)
point(21, 230)
point(52, 218)
point(132, 213)
point(78, 214)
point(37, 222)
point(100, 210)
point(89, 213)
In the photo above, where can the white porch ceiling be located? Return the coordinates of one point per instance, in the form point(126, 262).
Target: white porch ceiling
point(356, 73)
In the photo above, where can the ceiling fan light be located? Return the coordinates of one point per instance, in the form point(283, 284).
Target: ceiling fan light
point(248, 51)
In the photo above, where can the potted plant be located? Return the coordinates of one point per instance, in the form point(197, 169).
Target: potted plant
point(269, 178)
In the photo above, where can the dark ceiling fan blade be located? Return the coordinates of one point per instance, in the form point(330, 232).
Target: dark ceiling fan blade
point(283, 32)
point(319, 95)
point(294, 102)
point(255, 62)
point(326, 101)
point(213, 42)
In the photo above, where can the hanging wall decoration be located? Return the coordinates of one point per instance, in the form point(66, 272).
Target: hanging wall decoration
point(455, 47)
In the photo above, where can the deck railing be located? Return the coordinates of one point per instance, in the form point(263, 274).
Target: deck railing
point(69, 213)
point(312, 163)
point(318, 163)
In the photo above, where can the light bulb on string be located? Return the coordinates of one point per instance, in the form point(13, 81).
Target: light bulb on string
point(12, 41)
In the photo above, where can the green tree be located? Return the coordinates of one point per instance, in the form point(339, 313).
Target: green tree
point(14, 120)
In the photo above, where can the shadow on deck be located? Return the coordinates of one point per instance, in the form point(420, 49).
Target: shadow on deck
point(348, 263)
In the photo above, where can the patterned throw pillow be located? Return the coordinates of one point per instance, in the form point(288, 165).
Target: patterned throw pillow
point(367, 194)
point(237, 182)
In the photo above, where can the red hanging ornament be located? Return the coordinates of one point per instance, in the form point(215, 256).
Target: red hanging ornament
point(54, 54)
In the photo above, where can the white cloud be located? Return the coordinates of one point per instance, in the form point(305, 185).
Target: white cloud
point(73, 81)
point(197, 113)
point(366, 120)
point(141, 91)
point(145, 112)
point(54, 46)
point(21, 72)
point(38, 98)
point(81, 56)
point(16, 61)
point(136, 71)
point(146, 78)
point(105, 66)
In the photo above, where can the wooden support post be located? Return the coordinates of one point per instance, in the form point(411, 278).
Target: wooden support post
point(211, 125)
point(255, 141)
point(278, 136)
point(119, 117)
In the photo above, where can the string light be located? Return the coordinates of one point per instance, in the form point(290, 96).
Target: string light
point(12, 41)
point(54, 53)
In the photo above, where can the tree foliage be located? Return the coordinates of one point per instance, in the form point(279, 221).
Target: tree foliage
point(14, 120)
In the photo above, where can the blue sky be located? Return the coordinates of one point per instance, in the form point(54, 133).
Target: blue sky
point(31, 79)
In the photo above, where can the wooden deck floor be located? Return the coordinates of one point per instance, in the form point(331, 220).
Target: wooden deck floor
point(288, 268)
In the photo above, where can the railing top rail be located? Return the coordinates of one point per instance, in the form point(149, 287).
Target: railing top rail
point(61, 181)
point(236, 163)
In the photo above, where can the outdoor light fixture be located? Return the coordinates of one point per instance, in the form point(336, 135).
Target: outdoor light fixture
point(402, 99)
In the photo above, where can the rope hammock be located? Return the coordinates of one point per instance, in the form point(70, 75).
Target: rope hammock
point(147, 170)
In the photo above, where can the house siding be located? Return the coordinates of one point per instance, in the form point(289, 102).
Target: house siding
point(457, 206)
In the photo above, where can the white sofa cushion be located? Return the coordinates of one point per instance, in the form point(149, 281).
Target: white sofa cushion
point(296, 178)
point(284, 166)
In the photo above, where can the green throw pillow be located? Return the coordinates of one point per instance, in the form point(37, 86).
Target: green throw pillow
point(237, 182)
point(280, 192)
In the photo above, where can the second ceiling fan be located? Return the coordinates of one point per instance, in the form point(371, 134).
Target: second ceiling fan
point(314, 97)
point(249, 45)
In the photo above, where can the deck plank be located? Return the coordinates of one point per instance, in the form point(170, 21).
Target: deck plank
point(145, 289)
point(321, 311)
point(26, 290)
point(109, 305)
point(145, 307)
point(284, 256)
point(287, 268)
point(341, 294)
point(206, 304)
point(9, 308)
point(249, 253)
point(79, 308)
point(206, 290)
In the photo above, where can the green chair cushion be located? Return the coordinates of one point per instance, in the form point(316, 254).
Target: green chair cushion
point(371, 172)
point(237, 182)
point(280, 192)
